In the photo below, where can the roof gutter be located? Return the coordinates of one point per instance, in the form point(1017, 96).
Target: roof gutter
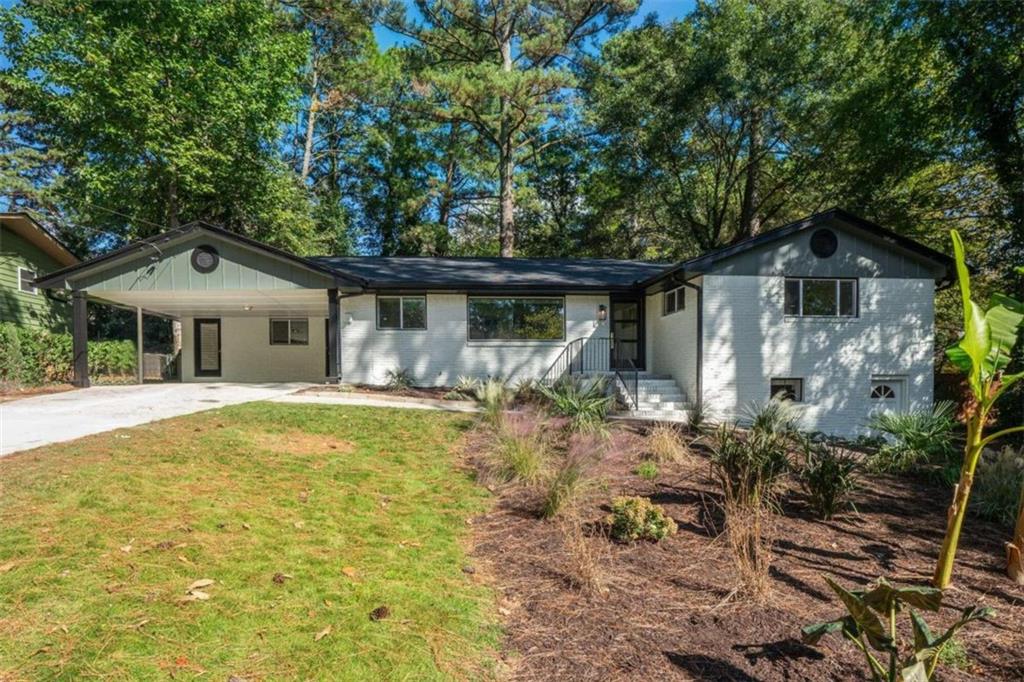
point(699, 399)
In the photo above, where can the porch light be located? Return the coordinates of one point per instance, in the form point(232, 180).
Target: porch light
point(247, 308)
point(602, 313)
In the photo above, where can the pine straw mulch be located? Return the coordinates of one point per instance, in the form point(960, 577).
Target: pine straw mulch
point(670, 611)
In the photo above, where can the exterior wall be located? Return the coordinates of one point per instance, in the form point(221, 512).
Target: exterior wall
point(672, 341)
point(29, 310)
point(748, 340)
point(438, 355)
point(247, 356)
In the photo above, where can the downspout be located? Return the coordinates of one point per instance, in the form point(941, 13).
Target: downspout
point(700, 344)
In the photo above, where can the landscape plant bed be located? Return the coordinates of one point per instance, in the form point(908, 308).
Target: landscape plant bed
point(9, 393)
point(670, 610)
point(429, 392)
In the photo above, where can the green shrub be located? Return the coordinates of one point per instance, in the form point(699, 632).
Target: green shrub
point(12, 362)
point(828, 474)
point(585, 401)
point(998, 485)
point(664, 444)
point(399, 380)
point(112, 358)
point(464, 389)
point(31, 357)
point(919, 437)
point(775, 416)
point(520, 457)
point(647, 470)
point(749, 466)
point(636, 518)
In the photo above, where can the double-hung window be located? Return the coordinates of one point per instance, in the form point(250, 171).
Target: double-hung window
point(811, 297)
point(289, 332)
point(675, 300)
point(401, 312)
point(495, 318)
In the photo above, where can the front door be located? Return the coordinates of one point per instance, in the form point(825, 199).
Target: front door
point(627, 318)
point(207, 343)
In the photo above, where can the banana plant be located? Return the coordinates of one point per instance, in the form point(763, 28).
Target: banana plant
point(1015, 548)
point(983, 354)
point(871, 626)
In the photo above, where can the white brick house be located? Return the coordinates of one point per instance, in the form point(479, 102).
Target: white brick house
point(834, 312)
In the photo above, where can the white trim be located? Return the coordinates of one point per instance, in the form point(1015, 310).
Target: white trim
point(34, 291)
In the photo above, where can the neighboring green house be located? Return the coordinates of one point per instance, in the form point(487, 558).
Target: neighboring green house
point(26, 252)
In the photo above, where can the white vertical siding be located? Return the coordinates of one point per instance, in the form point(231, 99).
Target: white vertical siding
point(748, 340)
point(247, 356)
point(438, 355)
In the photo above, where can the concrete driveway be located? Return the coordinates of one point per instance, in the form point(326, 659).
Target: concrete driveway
point(42, 420)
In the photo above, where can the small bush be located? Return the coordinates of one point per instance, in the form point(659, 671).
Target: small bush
point(750, 532)
point(664, 444)
point(495, 397)
point(998, 485)
point(647, 470)
point(696, 417)
point(913, 438)
point(564, 486)
point(637, 518)
point(464, 389)
point(399, 380)
point(776, 416)
point(31, 357)
point(749, 467)
point(585, 401)
point(584, 557)
point(828, 474)
point(527, 391)
point(520, 457)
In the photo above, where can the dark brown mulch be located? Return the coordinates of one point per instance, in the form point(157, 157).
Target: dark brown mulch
point(670, 611)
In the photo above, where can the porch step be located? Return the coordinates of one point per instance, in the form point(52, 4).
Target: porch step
point(668, 406)
point(659, 398)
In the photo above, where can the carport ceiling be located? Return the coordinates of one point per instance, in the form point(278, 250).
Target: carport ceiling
point(224, 303)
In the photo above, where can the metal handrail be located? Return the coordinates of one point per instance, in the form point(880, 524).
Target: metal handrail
point(630, 379)
point(585, 354)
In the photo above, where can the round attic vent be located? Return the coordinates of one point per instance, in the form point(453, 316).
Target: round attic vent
point(205, 259)
point(824, 243)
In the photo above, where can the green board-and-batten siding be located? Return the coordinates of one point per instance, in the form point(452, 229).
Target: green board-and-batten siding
point(170, 269)
point(29, 310)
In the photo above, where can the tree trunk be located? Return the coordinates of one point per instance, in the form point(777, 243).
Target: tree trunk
point(955, 515)
point(307, 155)
point(447, 202)
point(1015, 549)
point(506, 162)
point(172, 201)
point(750, 224)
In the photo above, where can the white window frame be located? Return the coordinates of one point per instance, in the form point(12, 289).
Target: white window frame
point(32, 290)
point(401, 313)
point(838, 284)
point(677, 296)
point(290, 321)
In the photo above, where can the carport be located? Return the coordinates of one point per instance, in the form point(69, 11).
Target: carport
point(249, 312)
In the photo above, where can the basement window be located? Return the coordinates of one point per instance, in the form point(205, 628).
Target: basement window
point(788, 389)
point(810, 297)
point(25, 279)
point(675, 300)
point(289, 332)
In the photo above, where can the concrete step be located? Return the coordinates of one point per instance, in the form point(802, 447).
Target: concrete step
point(662, 407)
point(659, 397)
point(658, 384)
point(677, 416)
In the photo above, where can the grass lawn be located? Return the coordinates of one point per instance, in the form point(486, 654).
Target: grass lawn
point(308, 518)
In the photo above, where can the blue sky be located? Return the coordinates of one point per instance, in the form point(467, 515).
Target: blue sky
point(665, 9)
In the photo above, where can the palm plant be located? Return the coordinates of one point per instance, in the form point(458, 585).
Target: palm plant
point(584, 401)
point(983, 354)
point(916, 436)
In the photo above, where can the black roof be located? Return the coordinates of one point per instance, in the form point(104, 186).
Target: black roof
point(412, 272)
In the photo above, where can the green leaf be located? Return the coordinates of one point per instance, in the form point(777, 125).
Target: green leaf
point(915, 672)
point(1004, 319)
point(884, 596)
point(812, 634)
point(974, 343)
point(923, 637)
point(968, 615)
point(864, 617)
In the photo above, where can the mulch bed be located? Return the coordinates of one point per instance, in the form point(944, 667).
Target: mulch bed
point(9, 394)
point(382, 391)
point(671, 612)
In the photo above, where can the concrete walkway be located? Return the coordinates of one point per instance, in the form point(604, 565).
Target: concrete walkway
point(353, 398)
point(42, 420)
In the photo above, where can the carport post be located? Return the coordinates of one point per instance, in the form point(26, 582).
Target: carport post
point(139, 357)
point(333, 336)
point(80, 339)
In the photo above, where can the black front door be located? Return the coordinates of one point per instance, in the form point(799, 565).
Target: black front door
point(627, 317)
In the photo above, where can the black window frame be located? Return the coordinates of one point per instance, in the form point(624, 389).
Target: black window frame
point(469, 329)
point(197, 361)
point(32, 290)
point(838, 284)
point(401, 312)
point(798, 383)
point(289, 320)
point(678, 298)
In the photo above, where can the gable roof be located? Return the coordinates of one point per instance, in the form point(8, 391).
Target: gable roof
point(59, 277)
point(26, 227)
point(706, 261)
point(415, 272)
